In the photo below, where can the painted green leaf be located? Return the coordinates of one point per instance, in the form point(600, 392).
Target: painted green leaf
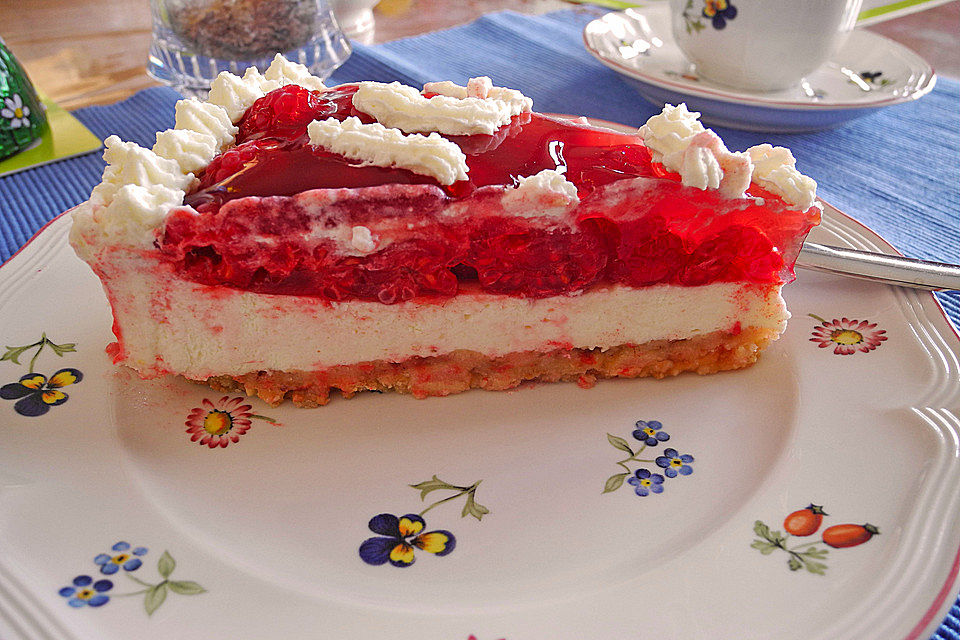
point(765, 547)
point(816, 567)
point(614, 482)
point(761, 529)
point(471, 507)
point(185, 587)
point(154, 597)
point(61, 349)
point(774, 537)
point(15, 352)
point(166, 564)
point(816, 553)
point(794, 564)
point(434, 484)
point(619, 443)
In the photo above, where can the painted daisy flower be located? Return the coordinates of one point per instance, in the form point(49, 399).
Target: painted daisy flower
point(644, 483)
point(648, 432)
point(15, 111)
point(123, 557)
point(84, 592)
point(673, 463)
point(35, 393)
point(217, 425)
point(399, 536)
point(847, 336)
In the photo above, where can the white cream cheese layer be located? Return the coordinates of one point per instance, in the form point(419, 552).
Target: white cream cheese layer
point(203, 331)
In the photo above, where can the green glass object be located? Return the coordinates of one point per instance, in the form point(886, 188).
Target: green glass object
point(23, 118)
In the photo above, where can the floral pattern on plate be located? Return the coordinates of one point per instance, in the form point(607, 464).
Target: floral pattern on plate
point(644, 481)
point(84, 591)
point(398, 536)
point(805, 522)
point(35, 393)
point(847, 336)
point(217, 424)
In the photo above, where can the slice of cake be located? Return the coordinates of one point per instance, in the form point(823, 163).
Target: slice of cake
point(286, 239)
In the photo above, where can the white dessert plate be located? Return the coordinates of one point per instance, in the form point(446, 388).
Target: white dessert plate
point(123, 515)
point(869, 72)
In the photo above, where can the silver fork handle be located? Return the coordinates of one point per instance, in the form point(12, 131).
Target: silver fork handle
point(880, 267)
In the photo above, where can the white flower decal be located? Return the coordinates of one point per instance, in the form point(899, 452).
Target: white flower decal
point(16, 112)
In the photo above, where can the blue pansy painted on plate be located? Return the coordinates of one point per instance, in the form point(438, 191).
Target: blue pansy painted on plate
point(400, 536)
point(34, 392)
point(644, 481)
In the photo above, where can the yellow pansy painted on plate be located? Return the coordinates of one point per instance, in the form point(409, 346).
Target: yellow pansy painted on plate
point(35, 393)
point(399, 537)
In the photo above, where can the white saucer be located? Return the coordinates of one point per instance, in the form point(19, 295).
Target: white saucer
point(869, 72)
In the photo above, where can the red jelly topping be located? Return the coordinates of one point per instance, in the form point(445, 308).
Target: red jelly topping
point(637, 232)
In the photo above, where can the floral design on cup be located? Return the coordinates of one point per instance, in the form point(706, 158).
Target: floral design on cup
point(399, 536)
point(217, 424)
point(650, 433)
point(847, 336)
point(718, 12)
point(34, 392)
point(806, 522)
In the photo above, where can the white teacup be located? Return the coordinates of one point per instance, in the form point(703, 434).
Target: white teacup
point(761, 45)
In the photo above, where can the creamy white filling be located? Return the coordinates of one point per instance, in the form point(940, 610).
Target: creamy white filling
point(203, 331)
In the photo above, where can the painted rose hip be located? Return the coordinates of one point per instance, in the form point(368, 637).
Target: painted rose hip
point(804, 522)
point(848, 535)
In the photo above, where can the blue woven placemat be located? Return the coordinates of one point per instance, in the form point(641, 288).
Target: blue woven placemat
point(897, 170)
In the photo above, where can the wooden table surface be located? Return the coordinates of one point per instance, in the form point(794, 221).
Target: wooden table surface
point(84, 52)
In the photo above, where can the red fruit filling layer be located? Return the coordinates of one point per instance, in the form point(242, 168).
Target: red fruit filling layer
point(636, 224)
